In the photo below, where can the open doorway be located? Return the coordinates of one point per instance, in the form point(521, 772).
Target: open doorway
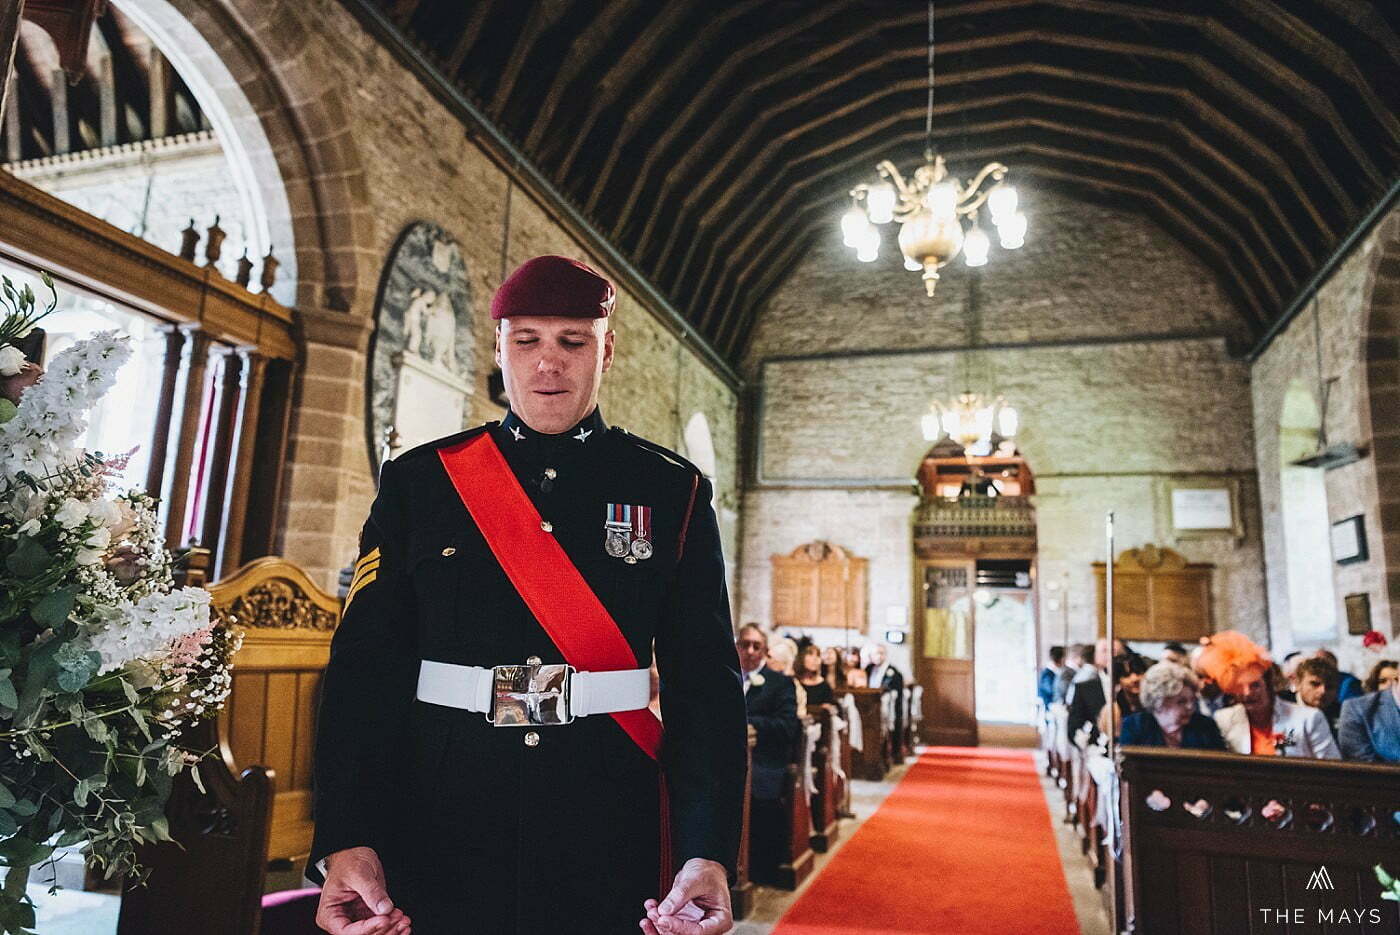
point(974, 645)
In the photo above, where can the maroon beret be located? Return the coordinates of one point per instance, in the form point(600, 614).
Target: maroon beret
point(553, 285)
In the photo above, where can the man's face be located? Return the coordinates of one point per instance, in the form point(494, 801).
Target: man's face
point(753, 649)
point(552, 368)
point(1101, 657)
point(1255, 695)
point(1171, 655)
point(877, 655)
point(1312, 691)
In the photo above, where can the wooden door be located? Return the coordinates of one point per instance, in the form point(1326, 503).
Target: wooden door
point(943, 651)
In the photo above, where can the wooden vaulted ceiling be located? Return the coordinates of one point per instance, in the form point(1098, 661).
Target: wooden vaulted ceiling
point(713, 142)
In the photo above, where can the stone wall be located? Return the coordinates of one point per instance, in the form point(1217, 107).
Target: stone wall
point(1108, 337)
point(1354, 318)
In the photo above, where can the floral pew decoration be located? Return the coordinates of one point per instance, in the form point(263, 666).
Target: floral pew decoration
point(104, 663)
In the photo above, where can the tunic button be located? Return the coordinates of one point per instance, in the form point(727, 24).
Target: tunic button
point(449, 551)
point(546, 525)
point(533, 661)
point(532, 739)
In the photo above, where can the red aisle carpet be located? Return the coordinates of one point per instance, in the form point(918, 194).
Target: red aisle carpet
point(962, 846)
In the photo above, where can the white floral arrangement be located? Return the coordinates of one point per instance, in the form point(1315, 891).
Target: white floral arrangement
point(104, 663)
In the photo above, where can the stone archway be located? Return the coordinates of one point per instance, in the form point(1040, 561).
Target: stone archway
point(1381, 353)
point(287, 133)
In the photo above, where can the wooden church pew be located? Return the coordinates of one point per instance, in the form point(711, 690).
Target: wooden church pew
point(1203, 854)
point(872, 760)
point(741, 894)
point(829, 778)
point(257, 805)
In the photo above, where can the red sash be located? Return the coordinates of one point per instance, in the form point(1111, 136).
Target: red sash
point(553, 589)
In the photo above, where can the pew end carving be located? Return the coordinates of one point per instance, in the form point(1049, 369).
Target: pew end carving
point(1214, 842)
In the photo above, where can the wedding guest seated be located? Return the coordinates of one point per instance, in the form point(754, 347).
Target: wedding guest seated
point(1045, 683)
point(1262, 723)
point(1080, 655)
point(1349, 685)
point(1169, 716)
point(1212, 698)
point(1315, 684)
point(1175, 652)
point(831, 666)
point(852, 673)
point(808, 672)
point(884, 676)
point(1369, 728)
point(1382, 675)
point(1087, 696)
point(1127, 680)
point(770, 698)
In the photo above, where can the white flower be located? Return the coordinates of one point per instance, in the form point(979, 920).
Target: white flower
point(88, 556)
point(29, 528)
point(756, 679)
point(105, 512)
point(99, 538)
point(71, 513)
point(11, 360)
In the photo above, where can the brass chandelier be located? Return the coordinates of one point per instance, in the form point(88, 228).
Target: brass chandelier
point(931, 208)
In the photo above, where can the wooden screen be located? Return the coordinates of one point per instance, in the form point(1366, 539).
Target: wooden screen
point(287, 623)
point(1157, 596)
point(1219, 844)
point(820, 585)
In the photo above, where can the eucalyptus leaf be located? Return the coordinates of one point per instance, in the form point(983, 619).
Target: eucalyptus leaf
point(25, 808)
point(71, 837)
point(29, 559)
point(8, 698)
point(54, 608)
point(7, 798)
point(8, 825)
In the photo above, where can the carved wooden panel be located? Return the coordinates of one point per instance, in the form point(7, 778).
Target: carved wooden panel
point(1157, 596)
point(820, 585)
point(287, 623)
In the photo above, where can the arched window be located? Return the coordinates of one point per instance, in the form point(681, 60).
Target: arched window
point(1312, 614)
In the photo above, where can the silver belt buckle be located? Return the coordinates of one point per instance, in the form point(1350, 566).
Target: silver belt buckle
point(530, 695)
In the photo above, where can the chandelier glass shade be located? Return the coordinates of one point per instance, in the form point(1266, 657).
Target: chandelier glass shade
point(937, 215)
point(979, 425)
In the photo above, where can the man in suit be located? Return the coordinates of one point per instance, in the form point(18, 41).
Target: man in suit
point(485, 759)
point(1369, 729)
point(1045, 683)
point(880, 674)
point(1088, 694)
point(771, 700)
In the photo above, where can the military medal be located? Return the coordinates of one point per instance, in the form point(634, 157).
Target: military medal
point(641, 532)
point(617, 527)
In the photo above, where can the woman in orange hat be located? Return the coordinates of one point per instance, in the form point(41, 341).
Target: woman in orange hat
point(1262, 723)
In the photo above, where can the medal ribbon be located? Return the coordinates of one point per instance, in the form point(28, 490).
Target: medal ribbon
point(552, 587)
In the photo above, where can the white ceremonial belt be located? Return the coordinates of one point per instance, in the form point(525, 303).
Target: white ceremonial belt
point(532, 694)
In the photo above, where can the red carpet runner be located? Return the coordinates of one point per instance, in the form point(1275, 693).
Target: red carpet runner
point(962, 846)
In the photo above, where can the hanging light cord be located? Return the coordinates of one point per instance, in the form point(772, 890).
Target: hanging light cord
point(928, 113)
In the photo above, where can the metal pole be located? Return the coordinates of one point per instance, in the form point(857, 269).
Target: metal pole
point(1111, 701)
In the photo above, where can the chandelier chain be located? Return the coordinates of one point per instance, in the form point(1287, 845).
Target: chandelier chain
point(928, 111)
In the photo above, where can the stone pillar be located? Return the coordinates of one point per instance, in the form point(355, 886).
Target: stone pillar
point(329, 486)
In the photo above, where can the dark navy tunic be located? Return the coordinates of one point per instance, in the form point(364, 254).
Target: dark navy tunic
point(478, 831)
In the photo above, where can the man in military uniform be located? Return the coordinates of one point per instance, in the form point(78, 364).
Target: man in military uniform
point(485, 758)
